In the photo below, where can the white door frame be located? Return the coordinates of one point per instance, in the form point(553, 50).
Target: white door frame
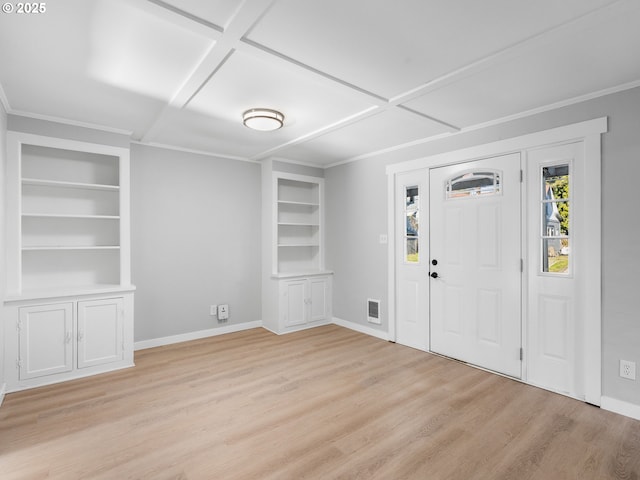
point(588, 132)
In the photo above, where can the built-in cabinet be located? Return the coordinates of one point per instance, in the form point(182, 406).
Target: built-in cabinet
point(45, 335)
point(68, 306)
point(296, 286)
point(305, 301)
point(62, 337)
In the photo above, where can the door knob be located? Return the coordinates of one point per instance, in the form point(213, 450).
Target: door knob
point(435, 275)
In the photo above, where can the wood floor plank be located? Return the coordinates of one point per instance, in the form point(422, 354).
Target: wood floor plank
point(326, 403)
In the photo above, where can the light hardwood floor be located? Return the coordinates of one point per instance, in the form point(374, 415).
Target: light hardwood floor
point(326, 403)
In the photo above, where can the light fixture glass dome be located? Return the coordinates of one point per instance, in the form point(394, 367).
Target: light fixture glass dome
point(263, 119)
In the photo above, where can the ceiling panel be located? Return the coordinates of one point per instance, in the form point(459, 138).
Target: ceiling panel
point(245, 81)
point(100, 62)
point(380, 131)
point(585, 62)
point(132, 65)
point(391, 47)
point(218, 12)
point(198, 131)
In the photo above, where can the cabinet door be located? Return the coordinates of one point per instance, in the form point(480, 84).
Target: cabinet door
point(319, 298)
point(294, 302)
point(45, 340)
point(100, 331)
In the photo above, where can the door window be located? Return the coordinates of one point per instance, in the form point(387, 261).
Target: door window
point(555, 226)
point(412, 224)
point(473, 183)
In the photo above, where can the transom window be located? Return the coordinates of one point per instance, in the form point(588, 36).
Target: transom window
point(473, 184)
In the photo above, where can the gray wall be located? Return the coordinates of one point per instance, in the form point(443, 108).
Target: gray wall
point(3, 163)
point(356, 214)
point(195, 240)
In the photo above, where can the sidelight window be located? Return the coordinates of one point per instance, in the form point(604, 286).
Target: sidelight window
point(412, 225)
point(555, 213)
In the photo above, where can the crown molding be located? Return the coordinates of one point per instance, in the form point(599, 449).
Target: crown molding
point(194, 151)
point(297, 162)
point(499, 121)
point(4, 101)
point(74, 123)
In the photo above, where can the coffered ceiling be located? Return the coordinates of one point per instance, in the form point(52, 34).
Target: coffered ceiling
point(353, 77)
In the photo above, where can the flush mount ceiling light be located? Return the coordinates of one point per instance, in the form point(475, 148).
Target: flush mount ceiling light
point(263, 119)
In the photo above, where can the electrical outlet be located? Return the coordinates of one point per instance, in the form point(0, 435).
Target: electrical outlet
point(628, 369)
point(223, 312)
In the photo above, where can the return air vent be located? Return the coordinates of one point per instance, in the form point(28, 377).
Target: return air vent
point(373, 311)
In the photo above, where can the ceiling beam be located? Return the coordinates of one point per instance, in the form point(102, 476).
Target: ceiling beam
point(590, 19)
point(241, 22)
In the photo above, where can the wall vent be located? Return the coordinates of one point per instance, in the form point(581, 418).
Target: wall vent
point(373, 311)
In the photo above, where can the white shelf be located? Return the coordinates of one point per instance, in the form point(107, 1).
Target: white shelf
point(298, 245)
point(61, 184)
point(64, 215)
point(303, 204)
point(298, 224)
point(70, 247)
point(301, 273)
point(72, 291)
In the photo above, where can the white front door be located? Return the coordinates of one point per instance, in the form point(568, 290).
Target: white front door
point(412, 261)
point(475, 255)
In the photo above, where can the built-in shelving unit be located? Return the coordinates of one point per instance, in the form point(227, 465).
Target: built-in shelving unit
point(297, 291)
point(298, 225)
point(68, 285)
point(69, 199)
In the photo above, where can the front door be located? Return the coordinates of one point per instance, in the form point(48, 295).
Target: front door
point(475, 256)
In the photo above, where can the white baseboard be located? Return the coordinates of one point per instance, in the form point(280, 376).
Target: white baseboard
point(361, 328)
point(623, 408)
point(3, 390)
point(185, 337)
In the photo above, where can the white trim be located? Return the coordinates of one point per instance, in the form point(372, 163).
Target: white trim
point(490, 123)
point(574, 131)
point(621, 407)
point(296, 162)
point(185, 337)
point(592, 283)
point(391, 260)
point(299, 328)
point(192, 150)
point(3, 391)
point(4, 101)
point(75, 123)
point(66, 144)
point(361, 328)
